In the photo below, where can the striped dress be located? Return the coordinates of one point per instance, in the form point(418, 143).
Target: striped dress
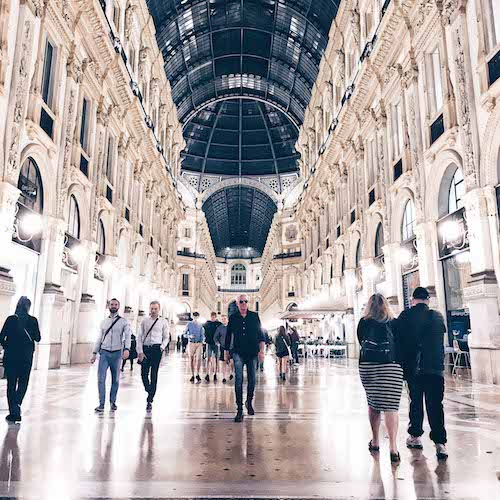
point(383, 382)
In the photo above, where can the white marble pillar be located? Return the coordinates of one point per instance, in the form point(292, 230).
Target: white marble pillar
point(8, 199)
point(481, 294)
point(51, 320)
point(350, 334)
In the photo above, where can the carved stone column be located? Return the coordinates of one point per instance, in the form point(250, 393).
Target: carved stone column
point(481, 294)
point(350, 334)
point(8, 199)
point(392, 275)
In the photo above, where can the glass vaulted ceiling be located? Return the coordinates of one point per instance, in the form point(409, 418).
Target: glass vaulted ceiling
point(241, 73)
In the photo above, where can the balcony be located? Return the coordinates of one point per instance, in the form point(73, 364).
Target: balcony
point(237, 290)
point(289, 255)
point(195, 255)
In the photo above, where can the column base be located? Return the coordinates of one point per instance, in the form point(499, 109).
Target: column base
point(485, 363)
point(49, 356)
point(81, 353)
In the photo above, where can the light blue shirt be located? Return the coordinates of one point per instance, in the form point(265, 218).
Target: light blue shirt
point(194, 332)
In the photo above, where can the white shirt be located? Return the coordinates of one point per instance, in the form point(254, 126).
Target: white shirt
point(158, 335)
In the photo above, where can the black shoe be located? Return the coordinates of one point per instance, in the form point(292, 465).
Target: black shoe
point(373, 449)
point(231, 377)
point(215, 378)
point(250, 409)
point(13, 418)
point(99, 409)
point(239, 416)
point(198, 378)
point(113, 407)
point(395, 458)
point(191, 379)
point(262, 368)
point(224, 380)
point(284, 377)
point(121, 370)
point(149, 406)
point(207, 377)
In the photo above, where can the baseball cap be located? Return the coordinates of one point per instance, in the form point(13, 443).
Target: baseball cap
point(421, 293)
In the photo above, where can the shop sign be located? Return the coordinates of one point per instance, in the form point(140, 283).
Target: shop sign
point(453, 234)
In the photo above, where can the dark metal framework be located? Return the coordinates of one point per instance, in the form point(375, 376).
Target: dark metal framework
point(240, 137)
point(239, 217)
point(241, 73)
point(267, 49)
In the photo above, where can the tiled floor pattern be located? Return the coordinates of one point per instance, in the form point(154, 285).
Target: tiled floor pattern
point(308, 439)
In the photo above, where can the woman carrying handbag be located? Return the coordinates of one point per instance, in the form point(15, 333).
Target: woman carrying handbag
point(18, 337)
point(282, 351)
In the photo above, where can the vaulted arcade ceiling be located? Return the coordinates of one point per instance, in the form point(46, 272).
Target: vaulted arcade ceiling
point(241, 73)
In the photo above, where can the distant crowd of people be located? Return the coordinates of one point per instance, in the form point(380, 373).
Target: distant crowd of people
point(409, 348)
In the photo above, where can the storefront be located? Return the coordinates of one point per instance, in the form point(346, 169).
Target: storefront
point(454, 255)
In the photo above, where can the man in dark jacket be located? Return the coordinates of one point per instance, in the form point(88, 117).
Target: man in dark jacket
point(244, 331)
point(212, 348)
point(421, 332)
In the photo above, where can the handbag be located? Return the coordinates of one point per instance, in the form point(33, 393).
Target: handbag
point(378, 348)
point(147, 334)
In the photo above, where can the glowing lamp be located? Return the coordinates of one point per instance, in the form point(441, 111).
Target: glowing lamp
point(451, 231)
point(32, 224)
point(77, 253)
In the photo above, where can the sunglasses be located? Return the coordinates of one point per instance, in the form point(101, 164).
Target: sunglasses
point(243, 301)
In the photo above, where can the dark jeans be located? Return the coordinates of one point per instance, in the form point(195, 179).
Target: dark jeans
point(239, 363)
point(295, 351)
point(149, 369)
point(18, 375)
point(430, 387)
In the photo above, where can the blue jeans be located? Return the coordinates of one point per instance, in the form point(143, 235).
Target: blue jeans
point(239, 363)
point(111, 360)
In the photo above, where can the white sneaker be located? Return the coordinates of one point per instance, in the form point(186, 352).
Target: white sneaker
point(414, 443)
point(441, 452)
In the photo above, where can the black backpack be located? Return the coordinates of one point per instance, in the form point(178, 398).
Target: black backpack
point(377, 345)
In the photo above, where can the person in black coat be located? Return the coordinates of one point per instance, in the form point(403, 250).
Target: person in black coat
point(422, 339)
point(18, 337)
point(133, 353)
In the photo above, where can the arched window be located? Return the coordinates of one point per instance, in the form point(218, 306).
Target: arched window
point(379, 240)
point(358, 254)
point(30, 185)
point(238, 275)
point(342, 269)
point(457, 191)
point(74, 218)
point(408, 225)
point(101, 239)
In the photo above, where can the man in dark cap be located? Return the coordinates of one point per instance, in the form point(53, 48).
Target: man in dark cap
point(421, 331)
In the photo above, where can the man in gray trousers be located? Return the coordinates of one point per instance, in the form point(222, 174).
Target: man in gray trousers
point(112, 345)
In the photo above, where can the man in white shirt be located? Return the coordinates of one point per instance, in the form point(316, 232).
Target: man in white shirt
point(152, 339)
point(112, 345)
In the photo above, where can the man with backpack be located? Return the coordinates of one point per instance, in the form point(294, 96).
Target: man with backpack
point(421, 332)
point(152, 340)
point(112, 345)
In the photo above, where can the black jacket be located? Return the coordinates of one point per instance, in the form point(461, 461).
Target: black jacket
point(421, 331)
point(15, 336)
point(210, 329)
point(282, 344)
point(245, 333)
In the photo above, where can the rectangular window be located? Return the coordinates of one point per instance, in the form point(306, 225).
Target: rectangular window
point(492, 20)
point(116, 17)
point(185, 284)
point(494, 68)
point(47, 75)
point(371, 197)
point(110, 159)
point(437, 129)
point(371, 162)
point(84, 126)
point(397, 131)
point(435, 81)
point(187, 232)
point(398, 169)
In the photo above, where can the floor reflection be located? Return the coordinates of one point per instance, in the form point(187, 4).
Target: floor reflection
point(307, 439)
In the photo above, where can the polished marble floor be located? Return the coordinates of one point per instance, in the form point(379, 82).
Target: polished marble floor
point(308, 439)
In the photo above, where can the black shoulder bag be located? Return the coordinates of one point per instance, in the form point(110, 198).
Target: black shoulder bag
point(147, 334)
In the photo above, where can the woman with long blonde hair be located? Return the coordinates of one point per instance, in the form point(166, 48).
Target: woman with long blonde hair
point(380, 370)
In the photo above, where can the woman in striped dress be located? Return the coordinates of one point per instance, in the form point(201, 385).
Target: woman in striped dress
point(380, 370)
